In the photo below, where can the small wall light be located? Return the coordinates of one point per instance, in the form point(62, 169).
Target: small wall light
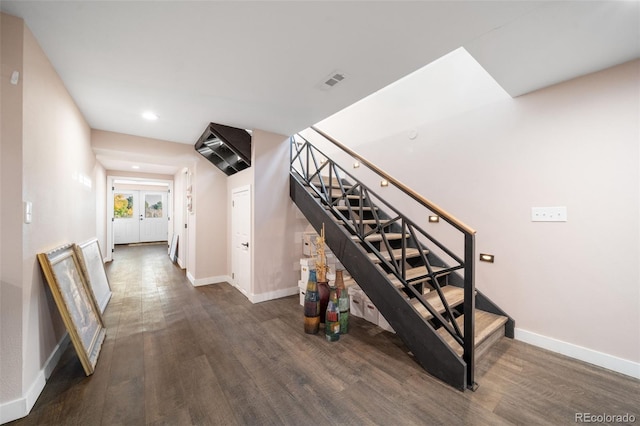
point(434, 218)
point(486, 257)
point(356, 164)
point(384, 182)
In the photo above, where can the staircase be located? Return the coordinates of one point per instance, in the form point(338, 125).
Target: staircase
point(424, 289)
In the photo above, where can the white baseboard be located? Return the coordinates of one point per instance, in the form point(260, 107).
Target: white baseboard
point(19, 408)
point(263, 297)
point(610, 362)
point(13, 410)
point(196, 282)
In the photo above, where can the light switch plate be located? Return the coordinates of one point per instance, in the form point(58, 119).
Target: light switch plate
point(28, 211)
point(549, 214)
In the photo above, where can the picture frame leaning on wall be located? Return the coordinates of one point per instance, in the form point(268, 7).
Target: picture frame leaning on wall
point(92, 264)
point(76, 303)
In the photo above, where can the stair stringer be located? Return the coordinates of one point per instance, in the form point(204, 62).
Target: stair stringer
point(428, 348)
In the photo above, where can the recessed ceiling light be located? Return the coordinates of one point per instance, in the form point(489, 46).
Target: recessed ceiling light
point(135, 167)
point(149, 115)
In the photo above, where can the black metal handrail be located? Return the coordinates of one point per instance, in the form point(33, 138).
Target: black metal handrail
point(322, 175)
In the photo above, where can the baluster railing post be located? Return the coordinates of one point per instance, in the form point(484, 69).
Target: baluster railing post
point(469, 309)
point(307, 155)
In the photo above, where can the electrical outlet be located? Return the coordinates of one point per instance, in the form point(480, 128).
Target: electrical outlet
point(549, 214)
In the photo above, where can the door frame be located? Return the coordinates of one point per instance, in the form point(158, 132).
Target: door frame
point(183, 228)
point(235, 282)
point(111, 179)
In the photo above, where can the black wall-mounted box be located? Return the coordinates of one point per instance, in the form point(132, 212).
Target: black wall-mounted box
point(228, 148)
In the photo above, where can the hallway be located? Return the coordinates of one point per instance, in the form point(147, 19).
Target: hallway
point(179, 355)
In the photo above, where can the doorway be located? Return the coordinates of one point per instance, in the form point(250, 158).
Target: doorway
point(139, 216)
point(139, 210)
point(241, 243)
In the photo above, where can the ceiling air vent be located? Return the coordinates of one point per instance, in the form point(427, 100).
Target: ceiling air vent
point(228, 148)
point(332, 80)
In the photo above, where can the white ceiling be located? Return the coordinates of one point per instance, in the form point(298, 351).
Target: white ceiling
point(258, 65)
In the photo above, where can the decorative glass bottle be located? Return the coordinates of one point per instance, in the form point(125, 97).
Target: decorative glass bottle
point(321, 270)
point(312, 305)
point(343, 302)
point(332, 317)
point(323, 299)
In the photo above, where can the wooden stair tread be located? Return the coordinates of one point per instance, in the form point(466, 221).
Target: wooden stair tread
point(356, 208)
point(414, 273)
point(334, 183)
point(336, 193)
point(378, 237)
point(453, 295)
point(397, 254)
point(384, 223)
point(373, 222)
point(486, 325)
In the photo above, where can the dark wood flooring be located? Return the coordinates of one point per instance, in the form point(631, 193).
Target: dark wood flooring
point(179, 355)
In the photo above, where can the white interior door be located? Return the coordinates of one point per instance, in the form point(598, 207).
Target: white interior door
point(126, 222)
point(241, 239)
point(153, 216)
point(139, 216)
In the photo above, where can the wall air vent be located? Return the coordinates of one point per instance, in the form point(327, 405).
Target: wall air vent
point(228, 148)
point(332, 80)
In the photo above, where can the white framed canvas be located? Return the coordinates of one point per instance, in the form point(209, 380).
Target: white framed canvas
point(92, 265)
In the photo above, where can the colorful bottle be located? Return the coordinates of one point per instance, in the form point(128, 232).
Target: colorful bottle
point(343, 302)
point(312, 305)
point(332, 317)
point(323, 297)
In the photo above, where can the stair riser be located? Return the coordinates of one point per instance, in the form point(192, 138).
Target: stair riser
point(487, 343)
point(486, 304)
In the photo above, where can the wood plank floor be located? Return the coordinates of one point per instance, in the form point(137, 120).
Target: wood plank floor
point(179, 355)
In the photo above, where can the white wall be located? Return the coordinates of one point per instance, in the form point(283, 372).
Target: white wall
point(453, 84)
point(572, 287)
point(276, 225)
point(11, 212)
point(58, 176)
point(58, 180)
point(100, 183)
point(207, 260)
point(179, 214)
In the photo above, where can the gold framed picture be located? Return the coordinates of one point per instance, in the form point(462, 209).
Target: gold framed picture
point(75, 302)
